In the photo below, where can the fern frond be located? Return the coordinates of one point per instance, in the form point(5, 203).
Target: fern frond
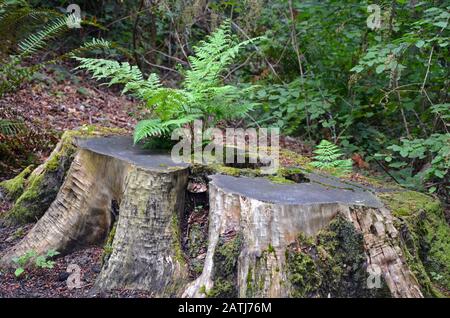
point(10, 128)
point(157, 127)
point(327, 156)
point(36, 41)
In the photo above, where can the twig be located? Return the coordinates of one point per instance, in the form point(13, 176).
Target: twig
point(428, 69)
point(387, 172)
point(300, 65)
point(177, 35)
point(136, 57)
point(239, 66)
point(258, 50)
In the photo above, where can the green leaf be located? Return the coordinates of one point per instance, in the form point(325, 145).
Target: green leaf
point(380, 68)
point(420, 43)
point(441, 24)
point(19, 271)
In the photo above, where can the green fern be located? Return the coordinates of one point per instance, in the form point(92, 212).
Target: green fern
point(10, 128)
point(156, 127)
point(202, 95)
point(13, 14)
point(327, 156)
point(37, 41)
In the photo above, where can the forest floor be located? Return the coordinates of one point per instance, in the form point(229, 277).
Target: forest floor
point(57, 100)
point(49, 283)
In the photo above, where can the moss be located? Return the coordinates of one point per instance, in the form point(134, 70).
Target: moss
point(222, 289)
point(40, 189)
point(303, 274)
point(225, 267)
point(24, 209)
point(425, 238)
point(15, 187)
point(293, 158)
point(407, 203)
point(249, 281)
point(175, 227)
point(203, 291)
point(332, 263)
point(280, 180)
point(107, 248)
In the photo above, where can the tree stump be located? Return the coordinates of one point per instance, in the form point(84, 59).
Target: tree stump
point(32, 191)
point(148, 189)
point(319, 237)
point(253, 222)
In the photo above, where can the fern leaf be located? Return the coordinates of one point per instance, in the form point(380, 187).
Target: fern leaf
point(38, 40)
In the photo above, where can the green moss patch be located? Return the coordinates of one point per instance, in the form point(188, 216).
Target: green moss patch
point(225, 267)
point(332, 263)
point(107, 248)
point(15, 187)
point(175, 227)
point(425, 238)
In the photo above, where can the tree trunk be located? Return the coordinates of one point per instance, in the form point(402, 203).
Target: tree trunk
point(253, 222)
point(149, 191)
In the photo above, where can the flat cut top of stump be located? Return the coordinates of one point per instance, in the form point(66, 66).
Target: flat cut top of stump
point(122, 148)
point(313, 192)
point(319, 190)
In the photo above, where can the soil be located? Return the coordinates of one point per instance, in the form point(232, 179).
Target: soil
point(54, 283)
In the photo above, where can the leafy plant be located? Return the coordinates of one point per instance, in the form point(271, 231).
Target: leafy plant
point(203, 94)
point(9, 128)
point(327, 156)
point(22, 261)
point(41, 261)
point(44, 261)
point(436, 147)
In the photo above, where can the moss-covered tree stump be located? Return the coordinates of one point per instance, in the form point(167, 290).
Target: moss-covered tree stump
point(261, 242)
point(110, 180)
point(32, 191)
point(296, 234)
